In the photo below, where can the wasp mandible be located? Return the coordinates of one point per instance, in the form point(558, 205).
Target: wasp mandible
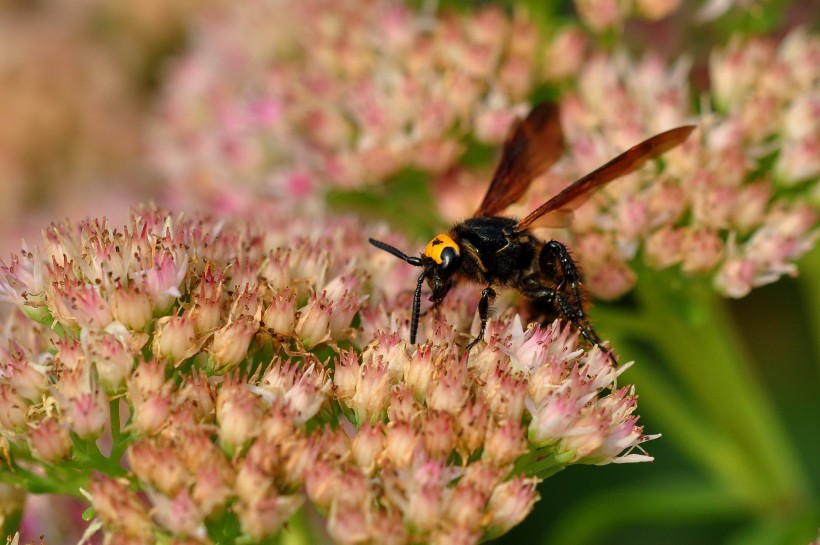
point(498, 252)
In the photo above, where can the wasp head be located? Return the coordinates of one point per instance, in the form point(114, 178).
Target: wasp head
point(440, 260)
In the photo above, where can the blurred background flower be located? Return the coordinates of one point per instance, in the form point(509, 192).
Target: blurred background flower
point(394, 111)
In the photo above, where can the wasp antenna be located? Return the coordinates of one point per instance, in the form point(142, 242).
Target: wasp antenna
point(396, 252)
point(414, 319)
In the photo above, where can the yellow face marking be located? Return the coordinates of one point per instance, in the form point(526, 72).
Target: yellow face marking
point(437, 245)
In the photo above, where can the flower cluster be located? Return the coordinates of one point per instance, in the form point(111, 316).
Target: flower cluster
point(713, 209)
point(274, 98)
point(262, 364)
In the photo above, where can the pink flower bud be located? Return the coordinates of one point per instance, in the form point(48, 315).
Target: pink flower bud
point(280, 316)
point(238, 414)
point(323, 483)
point(196, 393)
point(243, 277)
point(367, 446)
point(27, 378)
point(275, 270)
point(588, 434)
point(175, 338)
point(565, 54)
point(611, 280)
point(664, 247)
point(346, 375)
point(148, 378)
point(505, 394)
point(230, 343)
point(505, 442)
point(418, 374)
point(49, 441)
point(450, 393)
point(131, 306)
point(266, 516)
point(372, 391)
point(112, 360)
point(465, 507)
point(455, 535)
point(179, 515)
point(211, 489)
point(308, 394)
point(88, 414)
point(314, 325)
point(163, 279)
point(13, 409)
point(151, 414)
point(207, 309)
point(439, 435)
point(401, 439)
point(471, 424)
point(403, 407)
point(510, 503)
point(81, 304)
point(120, 510)
point(701, 251)
point(347, 523)
point(552, 419)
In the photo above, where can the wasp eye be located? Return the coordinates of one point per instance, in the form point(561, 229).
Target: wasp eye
point(449, 259)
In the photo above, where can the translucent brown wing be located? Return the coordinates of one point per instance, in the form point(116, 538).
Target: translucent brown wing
point(532, 145)
point(629, 161)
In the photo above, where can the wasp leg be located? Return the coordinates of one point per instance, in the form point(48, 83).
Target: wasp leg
point(483, 312)
point(568, 298)
point(570, 310)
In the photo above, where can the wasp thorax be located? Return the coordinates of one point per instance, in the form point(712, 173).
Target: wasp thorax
point(443, 250)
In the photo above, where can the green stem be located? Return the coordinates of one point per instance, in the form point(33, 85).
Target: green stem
point(298, 531)
point(690, 330)
point(810, 286)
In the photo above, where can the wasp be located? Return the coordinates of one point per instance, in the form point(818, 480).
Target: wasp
point(501, 252)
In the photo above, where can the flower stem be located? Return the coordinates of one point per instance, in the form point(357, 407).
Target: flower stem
point(714, 409)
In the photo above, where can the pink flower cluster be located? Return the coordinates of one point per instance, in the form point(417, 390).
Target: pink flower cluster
point(263, 364)
point(270, 99)
point(713, 208)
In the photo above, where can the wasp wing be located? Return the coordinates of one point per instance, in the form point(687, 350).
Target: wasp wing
point(581, 190)
point(532, 145)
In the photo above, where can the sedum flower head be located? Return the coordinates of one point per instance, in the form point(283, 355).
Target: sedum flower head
point(270, 99)
point(712, 209)
point(298, 386)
